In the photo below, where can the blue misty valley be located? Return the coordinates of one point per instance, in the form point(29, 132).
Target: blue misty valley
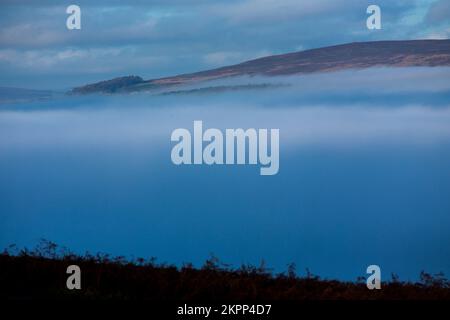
point(364, 175)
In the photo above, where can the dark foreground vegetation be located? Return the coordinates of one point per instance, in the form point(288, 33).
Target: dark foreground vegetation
point(41, 273)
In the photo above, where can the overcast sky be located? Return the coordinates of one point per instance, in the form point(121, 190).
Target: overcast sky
point(166, 37)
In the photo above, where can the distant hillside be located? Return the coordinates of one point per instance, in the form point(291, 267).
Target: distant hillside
point(426, 53)
point(109, 86)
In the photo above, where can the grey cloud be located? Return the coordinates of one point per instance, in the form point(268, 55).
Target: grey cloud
point(439, 12)
point(184, 36)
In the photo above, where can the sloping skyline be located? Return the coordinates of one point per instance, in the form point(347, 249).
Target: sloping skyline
point(161, 38)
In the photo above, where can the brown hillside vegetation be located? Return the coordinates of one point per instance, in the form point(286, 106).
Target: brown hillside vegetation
point(357, 55)
point(41, 273)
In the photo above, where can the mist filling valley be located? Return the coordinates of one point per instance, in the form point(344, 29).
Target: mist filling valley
point(363, 173)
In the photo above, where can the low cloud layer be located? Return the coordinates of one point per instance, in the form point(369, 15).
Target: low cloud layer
point(404, 106)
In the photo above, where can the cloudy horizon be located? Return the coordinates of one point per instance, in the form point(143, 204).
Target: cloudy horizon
point(161, 38)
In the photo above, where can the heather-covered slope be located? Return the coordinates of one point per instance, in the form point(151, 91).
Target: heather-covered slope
point(411, 53)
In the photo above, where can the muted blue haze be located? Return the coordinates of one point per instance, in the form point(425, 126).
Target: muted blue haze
point(360, 182)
